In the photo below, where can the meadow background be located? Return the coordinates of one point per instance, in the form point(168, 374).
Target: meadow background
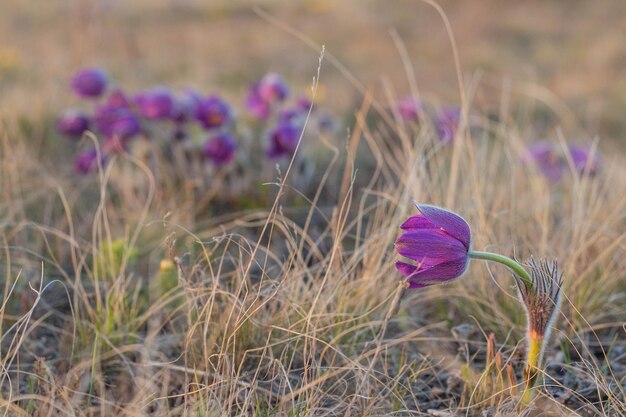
point(216, 295)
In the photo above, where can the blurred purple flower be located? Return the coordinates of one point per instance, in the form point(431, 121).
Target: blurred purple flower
point(213, 112)
point(410, 109)
point(447, 123)
point(117, 121)
point(87, 161)
point(89, 82)
point(304, 104)
point(117, 98)
point(290, 115)
point(283, 140)
point(256, 105)
point(220, 149)
point(438, 242)
point(273, 87)
point(545, 157)
point(185, 107)
point(72, 123)
point(155, 104)
point(262, 94)
point(585, 162)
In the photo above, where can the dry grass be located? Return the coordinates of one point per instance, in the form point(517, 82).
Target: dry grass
point(272, 311)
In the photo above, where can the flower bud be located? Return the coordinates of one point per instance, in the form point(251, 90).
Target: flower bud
point(543, 298)
point(438, 242)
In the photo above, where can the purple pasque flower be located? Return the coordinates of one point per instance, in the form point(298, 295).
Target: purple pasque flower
point(585, 161)
point(73, 123)
point(447, 123)
point(213, 112)
point(87, 161)
point(283, 140)
point(291, 115)
point(272, 88)
point(256, 105)
point(117, 98)
point(545, 156)
point(410, 109)
point(155, 104)
point(220, 149)
point(263, 94)
point(117, 121)
point(438, 242)
point(304, 104)
point(185, 107)
point(89, 82)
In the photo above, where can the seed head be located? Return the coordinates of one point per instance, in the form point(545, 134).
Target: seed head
point(543, 299)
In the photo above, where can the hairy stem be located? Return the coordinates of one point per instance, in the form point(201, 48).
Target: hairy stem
point(531, 370)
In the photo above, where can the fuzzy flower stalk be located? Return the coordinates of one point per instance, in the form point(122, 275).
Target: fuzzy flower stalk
point(542, 301)
point(438, 247)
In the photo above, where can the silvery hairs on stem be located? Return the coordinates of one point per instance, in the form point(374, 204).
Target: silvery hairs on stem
point(543, 298)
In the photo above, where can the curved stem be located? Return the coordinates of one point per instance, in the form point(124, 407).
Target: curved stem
point(504, 260)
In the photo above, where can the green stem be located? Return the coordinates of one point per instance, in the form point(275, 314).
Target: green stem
point(504, 260)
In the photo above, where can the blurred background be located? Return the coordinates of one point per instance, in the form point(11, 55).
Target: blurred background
point(568, 55)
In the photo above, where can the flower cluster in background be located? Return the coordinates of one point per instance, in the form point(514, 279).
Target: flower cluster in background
point(548, 157)
point(208, 123)
point(117, 117)
point(551, 160)
point(268, 101)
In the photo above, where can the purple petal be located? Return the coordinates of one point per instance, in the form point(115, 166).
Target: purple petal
point(584, 159)
point(273, 87)
point(540, 151)
point(213, 112)
point(451, 223)
point(546, 157)
point(89, 82)
point(220, 149)
point(442, 272)
point(417, 222)
point(410, 109)
point(155, 104)
point(405, 269)
point(430, 246)
point(447, 123)
point(73, 123)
